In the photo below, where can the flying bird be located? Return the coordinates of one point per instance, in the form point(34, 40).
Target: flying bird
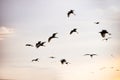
point(52, 57)
point(37, 59)
point(40, 44)
point(63, 61)
point(91, 55)
point(70, 12)
point(74, 30)
point(104, 32)
point(53, 36)
point(97, 22)
point(29, 45)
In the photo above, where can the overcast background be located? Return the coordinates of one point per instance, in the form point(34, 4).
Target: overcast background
point(30, 21)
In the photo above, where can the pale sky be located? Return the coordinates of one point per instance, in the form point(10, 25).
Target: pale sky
point(30, 21)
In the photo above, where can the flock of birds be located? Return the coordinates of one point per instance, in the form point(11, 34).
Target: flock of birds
point(64, 61)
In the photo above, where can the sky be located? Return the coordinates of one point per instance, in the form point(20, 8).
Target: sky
point(29, 21)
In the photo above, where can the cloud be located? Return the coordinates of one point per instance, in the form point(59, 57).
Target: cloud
point(5, 32)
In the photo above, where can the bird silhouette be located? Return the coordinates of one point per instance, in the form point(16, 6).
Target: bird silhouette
point(63, 61)
point(97, 22)
point(53, 36)
point(52, 57)
point(37, 59)
point(29, 45)
point(70, 12)
point(40, 44)
point(104, 32)
point(74, 30)
point(91, 55)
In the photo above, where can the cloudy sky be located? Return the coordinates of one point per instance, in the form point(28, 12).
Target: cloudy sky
point(30, 21)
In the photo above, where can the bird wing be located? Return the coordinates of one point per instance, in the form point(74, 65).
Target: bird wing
point(33, 60)
point(103, 35)
point(38, 45)
point(68, 14)
point(51, 57)
point(105, 31)
point(49, 39)
point(54, 34)
point(71, 31)
point(43, 42)
point(29, 45)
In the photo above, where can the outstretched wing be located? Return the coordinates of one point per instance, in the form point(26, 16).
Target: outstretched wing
point(68, 14)
point(71, 32)
point(52, 57)
point(38, 44)
point(29, 45)
point(54, 34)
point(49, 39)
point(97, 22)
point(43, 42)
point(103, 34)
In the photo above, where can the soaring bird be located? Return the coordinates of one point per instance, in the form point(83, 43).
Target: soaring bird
point(37, 59)
point(104, 32)
point(74, 30)
point(97, 22)
point(70, 12)
point(40, 44)
point(91, 55)
point(29, 45)
point(53, 36)
point(52, 57)
point(63, 61)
